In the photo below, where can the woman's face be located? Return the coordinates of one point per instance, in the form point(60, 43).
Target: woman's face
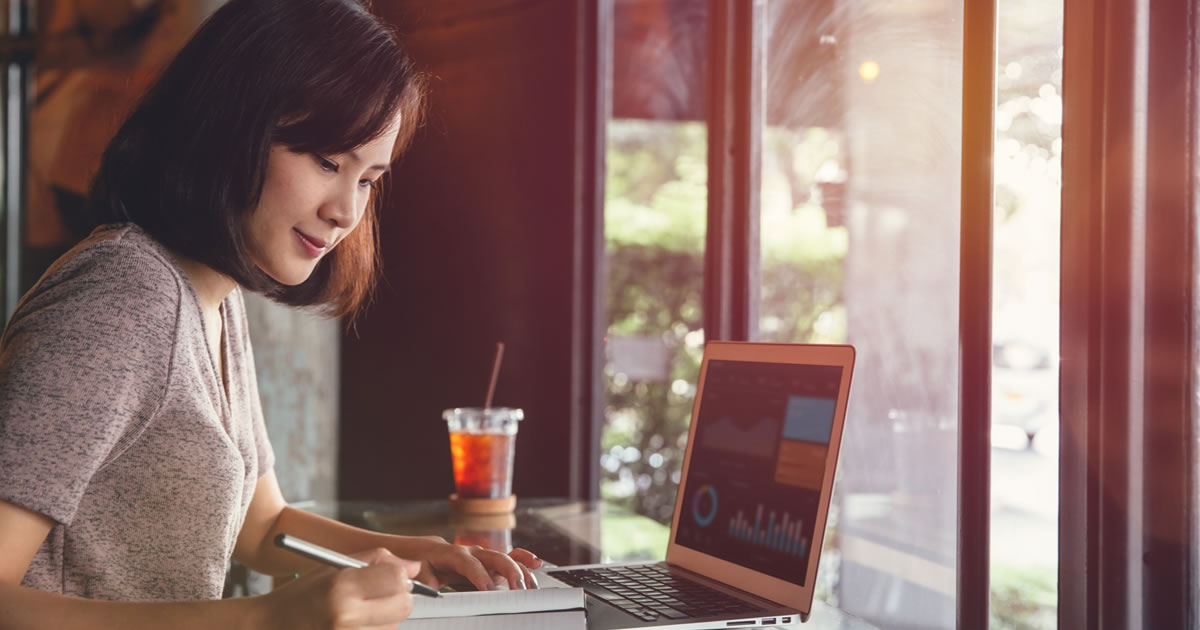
point(310, 203)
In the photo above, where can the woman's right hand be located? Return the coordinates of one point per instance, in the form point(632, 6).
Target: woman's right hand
point(376, 596)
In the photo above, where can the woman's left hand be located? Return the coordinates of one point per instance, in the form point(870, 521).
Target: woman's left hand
point(442, 563)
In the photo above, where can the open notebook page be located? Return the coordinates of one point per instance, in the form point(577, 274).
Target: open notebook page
point(558, 620)
point(497, 602)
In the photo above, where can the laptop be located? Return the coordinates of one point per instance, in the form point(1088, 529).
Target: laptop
point(752, 499)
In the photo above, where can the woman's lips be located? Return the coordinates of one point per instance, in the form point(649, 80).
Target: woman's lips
point(314, 247)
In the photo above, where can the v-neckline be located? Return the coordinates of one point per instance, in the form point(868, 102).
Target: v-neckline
point(217, 372)
point(221, 357)
point(220, 371)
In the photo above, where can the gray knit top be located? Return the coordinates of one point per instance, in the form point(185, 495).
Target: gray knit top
point(116, 424)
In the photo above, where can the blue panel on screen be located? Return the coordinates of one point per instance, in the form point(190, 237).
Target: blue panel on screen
point(809, 419)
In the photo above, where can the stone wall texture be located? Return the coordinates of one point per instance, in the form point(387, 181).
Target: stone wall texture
point(296, 354)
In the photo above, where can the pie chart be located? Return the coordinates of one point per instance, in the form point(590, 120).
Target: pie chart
point(704, 505)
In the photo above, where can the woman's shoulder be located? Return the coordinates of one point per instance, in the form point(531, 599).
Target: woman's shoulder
point(118, 269)
point(115, 257)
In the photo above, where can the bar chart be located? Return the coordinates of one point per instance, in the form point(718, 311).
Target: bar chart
point(783, 535)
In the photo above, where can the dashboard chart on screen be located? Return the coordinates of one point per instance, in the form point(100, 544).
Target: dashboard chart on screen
point(755, 475)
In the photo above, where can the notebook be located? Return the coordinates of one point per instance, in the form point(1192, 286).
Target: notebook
point(752, 500)
point(552, 609)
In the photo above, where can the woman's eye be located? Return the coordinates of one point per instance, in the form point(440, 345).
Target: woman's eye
point(368, 183)
point(326, 165)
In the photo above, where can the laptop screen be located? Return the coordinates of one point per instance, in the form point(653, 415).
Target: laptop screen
point(754, 481)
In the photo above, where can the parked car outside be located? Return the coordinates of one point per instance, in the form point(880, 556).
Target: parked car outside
point(1024, 385)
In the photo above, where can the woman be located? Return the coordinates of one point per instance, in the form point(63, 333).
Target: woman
point(133, 457)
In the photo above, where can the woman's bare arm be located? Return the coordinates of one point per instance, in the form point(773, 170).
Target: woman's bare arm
point(375, 596)
point(28, 609)
point(22, 532)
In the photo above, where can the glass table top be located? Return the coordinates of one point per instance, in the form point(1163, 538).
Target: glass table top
point(560, 531)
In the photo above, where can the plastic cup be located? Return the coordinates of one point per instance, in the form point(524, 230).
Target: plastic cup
point(482, 443)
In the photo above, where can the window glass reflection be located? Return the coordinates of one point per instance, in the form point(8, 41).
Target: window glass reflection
point(860, 244)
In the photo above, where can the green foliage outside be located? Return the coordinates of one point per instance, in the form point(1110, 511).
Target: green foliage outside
point(1024, 598)
point(655, 228)
point(628, 538)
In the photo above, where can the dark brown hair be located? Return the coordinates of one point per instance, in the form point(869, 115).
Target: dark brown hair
point(319, 76)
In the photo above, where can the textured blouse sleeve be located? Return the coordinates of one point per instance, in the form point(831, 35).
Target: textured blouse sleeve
point(84, 365)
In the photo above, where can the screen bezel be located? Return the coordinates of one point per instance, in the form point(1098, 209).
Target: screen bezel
point(749, 580)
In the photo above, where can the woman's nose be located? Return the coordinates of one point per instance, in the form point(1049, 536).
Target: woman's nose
point(341, 210)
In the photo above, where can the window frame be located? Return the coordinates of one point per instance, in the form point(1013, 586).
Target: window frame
point(735, 115)
point(18, 90)
point(1128, 454)
point(593, 107)
point(973, 601)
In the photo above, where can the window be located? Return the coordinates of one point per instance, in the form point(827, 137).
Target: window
point(1025, 298)
point(655, 200)
point(866, 172)
point(859, 244)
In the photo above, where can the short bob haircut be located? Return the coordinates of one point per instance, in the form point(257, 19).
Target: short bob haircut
point(315, 76)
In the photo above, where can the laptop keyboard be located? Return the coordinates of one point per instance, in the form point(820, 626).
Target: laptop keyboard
point(651, 592)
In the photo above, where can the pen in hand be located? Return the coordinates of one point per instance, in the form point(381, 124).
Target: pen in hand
point(333, 558)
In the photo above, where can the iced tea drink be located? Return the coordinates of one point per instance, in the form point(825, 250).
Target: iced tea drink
point(482, 444)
